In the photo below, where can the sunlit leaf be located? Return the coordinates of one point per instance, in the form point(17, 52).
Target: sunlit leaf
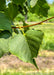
point(19, 47)
point(4, 40)
point(33, 3)
point(26, 48)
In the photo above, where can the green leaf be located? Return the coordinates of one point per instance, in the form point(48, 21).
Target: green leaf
point(12, 11)
point(19, 47)
point(41, 8)
point(18, 2)
point(23, 48)
point(4, 40)
point(33, 3)
point(34, 39)
point(2, 5)
point(5, 24)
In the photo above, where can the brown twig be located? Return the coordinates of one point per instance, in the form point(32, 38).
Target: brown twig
point(34, 24)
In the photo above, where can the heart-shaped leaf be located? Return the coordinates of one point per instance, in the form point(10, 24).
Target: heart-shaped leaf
point(26, 48)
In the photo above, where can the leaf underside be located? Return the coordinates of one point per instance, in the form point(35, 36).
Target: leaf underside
point(26, 47)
